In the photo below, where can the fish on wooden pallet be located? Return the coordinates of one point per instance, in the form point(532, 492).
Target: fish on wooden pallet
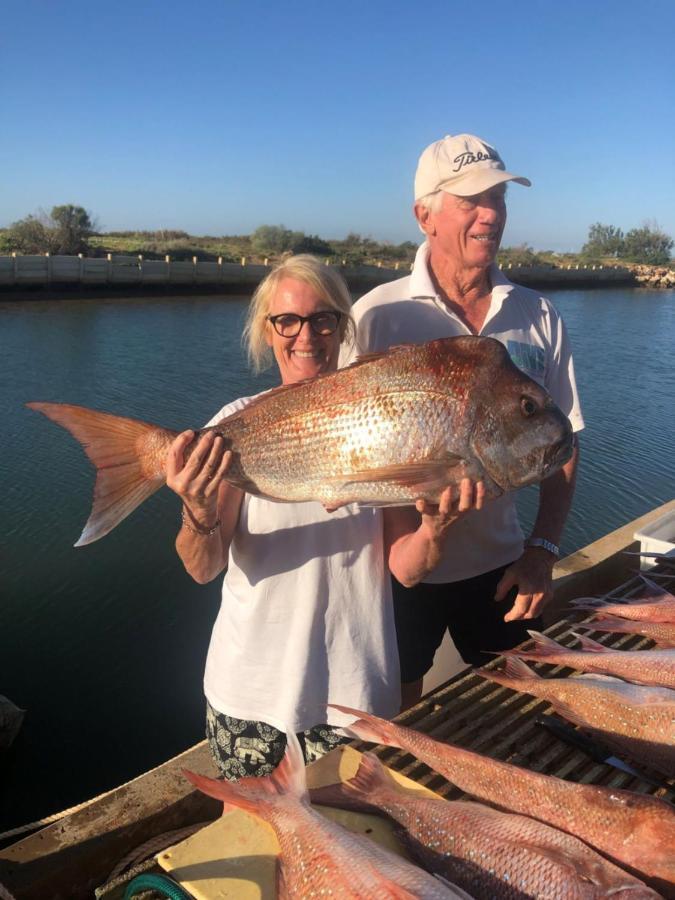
point(385, 431)
point(650, 667)
point(652, 604)
point(631, 718)
point(636, 830)
point(494, 855)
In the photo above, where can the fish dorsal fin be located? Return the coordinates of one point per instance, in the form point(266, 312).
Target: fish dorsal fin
point(430, 475)
point(546, 645)
point(589, 644)
point(516, 668)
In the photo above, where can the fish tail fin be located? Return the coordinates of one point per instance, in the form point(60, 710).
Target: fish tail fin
point(129, 456)
point(589, 644)
point(514, 670)
point(543, 646)
point(370, 728)
point(255, 794)
point(371, 776)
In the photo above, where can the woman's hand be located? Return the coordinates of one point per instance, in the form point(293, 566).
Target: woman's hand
point(453, 503)
point(196, 479)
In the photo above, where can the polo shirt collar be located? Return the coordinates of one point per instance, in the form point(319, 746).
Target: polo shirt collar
point(421, 284)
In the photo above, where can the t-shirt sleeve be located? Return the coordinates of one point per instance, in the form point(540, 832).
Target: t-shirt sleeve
point(229, 410)
point(560, 379)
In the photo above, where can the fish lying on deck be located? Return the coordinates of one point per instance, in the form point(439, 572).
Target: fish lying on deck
point(633, 829)
point(390, 429)
point(651, 667)
point(493, 855)
point(321, 858)
point(633, 719)
point(652, 604)
point(662, 633)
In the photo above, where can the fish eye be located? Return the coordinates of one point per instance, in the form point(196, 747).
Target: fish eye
point(527, 406)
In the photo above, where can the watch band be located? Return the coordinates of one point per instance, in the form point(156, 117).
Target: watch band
point(544, 544)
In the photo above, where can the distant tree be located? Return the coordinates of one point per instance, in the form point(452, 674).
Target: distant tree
point(72, 226)
point(522, 255)
point(274, 239)
point(310, 243)
point(603, 240)
point(65, 230)
point(29, 235)
point(649, 245)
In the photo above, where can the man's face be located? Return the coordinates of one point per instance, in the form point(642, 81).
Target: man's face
point(467, 230)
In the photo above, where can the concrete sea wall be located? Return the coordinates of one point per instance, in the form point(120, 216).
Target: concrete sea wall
point(38, 276)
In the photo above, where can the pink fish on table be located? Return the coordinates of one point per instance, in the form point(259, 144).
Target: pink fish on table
point(662, 633)
point(636, 830)
point(494, 855)
point(631, 718)
point(321, 858)
point(651, 667)
point(652, 604)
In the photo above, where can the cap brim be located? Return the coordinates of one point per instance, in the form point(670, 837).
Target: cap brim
point(481, 181)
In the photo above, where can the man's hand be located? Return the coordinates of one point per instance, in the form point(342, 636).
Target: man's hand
point(532, 574)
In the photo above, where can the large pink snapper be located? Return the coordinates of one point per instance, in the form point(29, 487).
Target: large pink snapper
point(652, 604)
point(652, 667)
point(634, 829)
point(493, 855)
point(636, 720)
point(320, 858)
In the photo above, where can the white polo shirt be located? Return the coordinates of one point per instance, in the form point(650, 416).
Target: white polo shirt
point(410, 311)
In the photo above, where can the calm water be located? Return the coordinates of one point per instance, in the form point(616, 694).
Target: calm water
point(105, 645)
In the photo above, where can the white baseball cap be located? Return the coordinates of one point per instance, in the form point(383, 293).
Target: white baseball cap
point(461, 164)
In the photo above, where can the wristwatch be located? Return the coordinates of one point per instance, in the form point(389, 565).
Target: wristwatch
point(544, 544)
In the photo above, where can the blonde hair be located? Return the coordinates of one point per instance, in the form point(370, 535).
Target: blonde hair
point(325, 280)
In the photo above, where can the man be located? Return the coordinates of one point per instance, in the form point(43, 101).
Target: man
point(488, 581)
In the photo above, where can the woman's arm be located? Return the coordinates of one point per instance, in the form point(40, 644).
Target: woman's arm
point(211, 506)
point(414, 538)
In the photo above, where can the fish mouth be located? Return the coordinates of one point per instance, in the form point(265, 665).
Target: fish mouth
point(555, 457)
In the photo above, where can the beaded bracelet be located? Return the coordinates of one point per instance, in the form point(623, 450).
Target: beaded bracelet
point(192, 526)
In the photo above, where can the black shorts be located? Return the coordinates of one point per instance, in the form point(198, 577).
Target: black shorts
point(467, 609)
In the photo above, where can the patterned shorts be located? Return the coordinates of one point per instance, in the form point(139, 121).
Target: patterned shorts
point(242, 748)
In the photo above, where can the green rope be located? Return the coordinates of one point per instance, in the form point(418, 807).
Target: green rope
point(160, 883)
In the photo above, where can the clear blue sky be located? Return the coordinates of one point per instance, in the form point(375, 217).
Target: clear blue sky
point(217, 117)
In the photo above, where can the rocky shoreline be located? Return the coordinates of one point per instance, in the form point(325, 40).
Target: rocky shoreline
point(654, 276)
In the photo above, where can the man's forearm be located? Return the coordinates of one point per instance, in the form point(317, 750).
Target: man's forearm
point(555, 500)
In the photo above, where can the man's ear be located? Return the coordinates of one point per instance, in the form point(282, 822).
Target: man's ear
point(424, 218)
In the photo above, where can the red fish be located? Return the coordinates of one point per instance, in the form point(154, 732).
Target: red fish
point(652, 667)
point(636, 830)
point(653, 604)
point(636, 720)
point(489, 853)
point(320, 858)
point(662, 633)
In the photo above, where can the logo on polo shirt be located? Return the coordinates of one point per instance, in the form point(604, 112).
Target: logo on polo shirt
point(467, 158)
point(528, 358)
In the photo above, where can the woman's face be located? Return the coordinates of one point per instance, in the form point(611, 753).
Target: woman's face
point(307, 354)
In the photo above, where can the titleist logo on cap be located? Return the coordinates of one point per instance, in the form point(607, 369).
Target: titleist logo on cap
point(466, 158)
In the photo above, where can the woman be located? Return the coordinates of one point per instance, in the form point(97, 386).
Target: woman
point(306, 617)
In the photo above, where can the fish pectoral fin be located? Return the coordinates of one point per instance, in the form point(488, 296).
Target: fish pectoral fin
point(431, 475)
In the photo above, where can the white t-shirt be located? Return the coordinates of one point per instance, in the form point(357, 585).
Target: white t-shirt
point(306, 617)
point(409, 311)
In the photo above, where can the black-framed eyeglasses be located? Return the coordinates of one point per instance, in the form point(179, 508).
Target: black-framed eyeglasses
point(322, 323)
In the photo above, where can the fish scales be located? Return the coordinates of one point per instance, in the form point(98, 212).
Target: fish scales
point(390, 429)
point(649, 667)
point(493, 855)
point(634, 719)
point(633, 829)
